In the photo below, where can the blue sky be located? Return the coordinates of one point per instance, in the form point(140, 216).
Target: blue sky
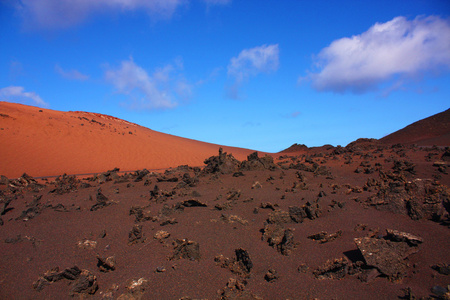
point(255, 74)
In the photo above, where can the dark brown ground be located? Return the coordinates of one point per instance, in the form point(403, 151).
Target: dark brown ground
point(46, 236)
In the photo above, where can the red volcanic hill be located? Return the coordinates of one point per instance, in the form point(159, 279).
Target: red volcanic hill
point(434, 130)
point(44, 142)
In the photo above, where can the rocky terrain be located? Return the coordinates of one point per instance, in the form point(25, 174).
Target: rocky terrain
point(366, 221)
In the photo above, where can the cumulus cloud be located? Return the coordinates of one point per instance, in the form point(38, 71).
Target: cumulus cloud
point(66, 13)
point(400, 49)
point(72, 74)
point(18, 94)
point(251, 62)
point(159, 90)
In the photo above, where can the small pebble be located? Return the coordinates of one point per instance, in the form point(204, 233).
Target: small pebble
point(160, 269)
point(438, 290)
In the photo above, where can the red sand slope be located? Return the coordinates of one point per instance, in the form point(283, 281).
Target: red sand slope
point(434, 130)
point(43, 142)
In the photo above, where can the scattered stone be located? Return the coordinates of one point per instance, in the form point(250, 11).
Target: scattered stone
point(280, 238)
point(268, 205)
point(14, 240)
point(443, 269)
point(279, 217)
point(58, 207)
point(335, 204)
point(186, 249)
point(102, 234)
point(332, 269)
point(84, 281)
point(135, 289)
point(87, 244)
point(140, 175)
point(160, 269)
point(188, 180)
point(66, 184)
point(271, 275)
point(102, 201)
point(193, 203)
point(324, 237)
point(167, 210)
point(167, 179)
point(398, 236)
point(254, 163)
point(4, 180)
point(224, 206)
point(4, 203)
point(367, 275)
point(233, 194)
point(240, 265)
point(161, 235)
point(235, 289)
point(85, 284)
point(312, 210)
point(54, 275)
point(40, 284)
point(408, 294)
point(243, 258)
point(71, 273)
point(387, 256)
point(419, 199)
point(224, 164)
point(136, 235)
point(25, 182)
point(140, 214)
point(302, 268)
point(106, 265)
point(33, 210)
point(256, 185)
point(169, 221)
point(287, 243)
point(441, 292)
point(404, 166)
point(360, 227)
point(233, 219)
point(297, 214)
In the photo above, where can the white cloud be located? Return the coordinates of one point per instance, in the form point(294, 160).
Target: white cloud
point(18, 94)
point(251, 62)
point(156, 91)
point(66, 13)
point(398, 48)
point(72, 74)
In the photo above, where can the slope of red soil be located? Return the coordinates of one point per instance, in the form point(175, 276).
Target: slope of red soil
point(434, 130)
point(43, 142)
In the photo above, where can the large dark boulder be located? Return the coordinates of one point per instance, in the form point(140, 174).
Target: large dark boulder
point(223, 163)
point(254, 163)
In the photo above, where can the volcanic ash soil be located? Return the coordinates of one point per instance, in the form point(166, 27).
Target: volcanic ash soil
point(367, 221)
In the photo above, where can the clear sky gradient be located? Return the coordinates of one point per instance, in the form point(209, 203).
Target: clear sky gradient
point(255, 74)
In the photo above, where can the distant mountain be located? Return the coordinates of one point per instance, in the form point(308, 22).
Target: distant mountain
point(434, 130)
point(44, 142)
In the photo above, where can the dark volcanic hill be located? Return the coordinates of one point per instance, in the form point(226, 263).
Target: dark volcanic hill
point(434, 130)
